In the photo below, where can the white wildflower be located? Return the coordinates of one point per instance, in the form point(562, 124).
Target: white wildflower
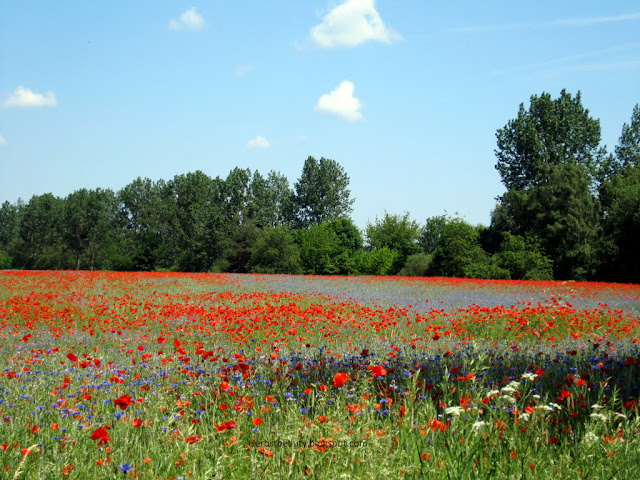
point(524, 417)
point(598, 416)
point(548, 408)
point(590, 438)
point(597, 407)
point(453, 411)
point(508, 399)
point(479, 424)
point(535, 397)
point(512, 387)
point(491, 393)
point(529, 376)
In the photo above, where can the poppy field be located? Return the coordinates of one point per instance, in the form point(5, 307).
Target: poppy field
point(219, 376)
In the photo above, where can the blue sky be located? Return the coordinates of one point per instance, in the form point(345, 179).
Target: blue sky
point(406, 96)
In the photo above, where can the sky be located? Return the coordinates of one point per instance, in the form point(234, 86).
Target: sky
point(405, 96)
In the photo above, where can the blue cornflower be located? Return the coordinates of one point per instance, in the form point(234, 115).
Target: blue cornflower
point(125, 467)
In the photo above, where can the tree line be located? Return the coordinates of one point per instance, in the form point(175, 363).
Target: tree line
point(571, 210)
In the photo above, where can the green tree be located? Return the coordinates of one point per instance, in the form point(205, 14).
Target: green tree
point(40, 235)
point(375, 262)
point(9, 222)
point(318, 249)
point(459, 253)
point(551, 132)
point(431, 233)
point(239, 248)
point(523, 259)
point(270, 200)
point(548, 158)
point(328, 248)
point(620, 196)
point(89, 220)
point(142, 210)
point(237, 194)
point(395, 232)
point(197, 221)
point(418, 265)
point(275, 251)
point(628, 148)
point(562, 213)
point(321, 193)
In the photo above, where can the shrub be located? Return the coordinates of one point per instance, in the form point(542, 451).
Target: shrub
point(417, 265)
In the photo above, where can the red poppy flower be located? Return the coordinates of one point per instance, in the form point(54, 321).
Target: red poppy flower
point(377, 370)
point(339, 379)
point(101, 435)
point(193, 439)
point(123, 402)
point(224, 426)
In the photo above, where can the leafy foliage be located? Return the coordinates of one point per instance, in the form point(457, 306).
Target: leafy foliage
point(523, 259)
point(395, 232)
point(417, 265)
point(321, 193)
point(551, 132)
point(275, 251)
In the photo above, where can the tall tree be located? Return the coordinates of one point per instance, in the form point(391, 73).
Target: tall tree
point(40, 243)
point(628, 148)
point(237, 195)
point(143, 213)
point(548, 158)
point(89, 217)
point(198, 222)
point(620, 196)
point(270, 200)
point(562, 214)
point(551, 132)
point(321, 192)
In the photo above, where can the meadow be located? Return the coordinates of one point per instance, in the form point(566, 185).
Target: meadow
point(218, 376)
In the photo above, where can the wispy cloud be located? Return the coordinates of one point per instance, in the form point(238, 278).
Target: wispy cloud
point(340, 103)
point(601, 59)
point(242, 70)
point(3, 141)
point(189, 20)
point(492, 28)
point(559, 23)
point(24, 97)
point(590, 21)
point(351, 23)
point(258, 142)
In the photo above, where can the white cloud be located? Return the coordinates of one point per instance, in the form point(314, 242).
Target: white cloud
point(24, 97)
point(189, 20)
point(352, 23)
point(340, 102)
point(258, 142)
point(3, 141)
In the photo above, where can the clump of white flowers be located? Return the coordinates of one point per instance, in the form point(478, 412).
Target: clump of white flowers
point(590, 438)
point(512, 387)
point(455, 411)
